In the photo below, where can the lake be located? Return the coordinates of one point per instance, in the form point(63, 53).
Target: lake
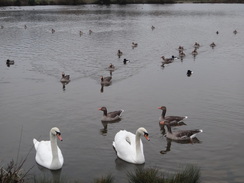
point(33, 100)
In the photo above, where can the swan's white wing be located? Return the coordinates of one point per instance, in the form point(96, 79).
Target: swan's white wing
point(124, 144)
point(44, 153)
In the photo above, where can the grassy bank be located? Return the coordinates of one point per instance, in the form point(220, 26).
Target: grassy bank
point(80, 2)
point(13, 173)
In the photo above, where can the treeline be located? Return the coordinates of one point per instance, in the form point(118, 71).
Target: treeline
point(80, 2)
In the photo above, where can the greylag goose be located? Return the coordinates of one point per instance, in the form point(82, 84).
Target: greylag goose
point(134, 45)
point(111, 116)
point(181, 135)
point(172, 120)
point(119, 53)
point(212, 45)
point(194, 52)
point(196, 45)
point(106, 80)
point(65, 78)
point(111, 67)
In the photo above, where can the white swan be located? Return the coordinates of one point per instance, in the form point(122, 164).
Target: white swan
point(48, 153)
point(129, 146)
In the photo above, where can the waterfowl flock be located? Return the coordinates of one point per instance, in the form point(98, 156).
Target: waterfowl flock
point(128, 146)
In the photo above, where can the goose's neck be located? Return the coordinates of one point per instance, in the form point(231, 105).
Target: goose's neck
point(105, 112)
point(54, 147)
point(163, 113)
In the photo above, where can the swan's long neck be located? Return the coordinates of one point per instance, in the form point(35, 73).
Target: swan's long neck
point(163, 113)
point(139, 152)
point(55, 159)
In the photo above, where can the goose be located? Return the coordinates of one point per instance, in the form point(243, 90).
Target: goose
point(53, 30)
point(181, 54)
point(48, 153)
point(194, 52)
point(235, 31)
point(172, 120)
point(181, 135)
point(129, 146)
point(111, 67)
point(189, 73)
point(212, 45)
point(134, 45)
point(196, 45)
point(106, 80)
point(111, 116)
point(152, 27)
point(65, 78)
point(119, 53)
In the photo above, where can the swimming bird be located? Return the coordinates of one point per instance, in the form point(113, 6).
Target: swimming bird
point(172, 120)
point(106, 80)
point(212, 45)
point(196, 45)
point(129, 146)
point(181, 135)
point(111, 67)
point(111, 116)
point(119, 53)
point(53, 30)
point(152, 27)
point(194, 52)
point(9, 62)
point(48, 153)
point(134, 45)
point(65, 78)
point(125, 61)
point(189, 73)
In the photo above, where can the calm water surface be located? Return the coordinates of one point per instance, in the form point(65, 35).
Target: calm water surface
point(33, 100)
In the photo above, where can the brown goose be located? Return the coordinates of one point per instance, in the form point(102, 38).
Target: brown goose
point(65, 78)
point(172, 120)
point(111, 116)
point(181, 135)
point(106, 80)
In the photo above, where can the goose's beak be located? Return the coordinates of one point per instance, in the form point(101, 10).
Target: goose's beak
point(162, 122)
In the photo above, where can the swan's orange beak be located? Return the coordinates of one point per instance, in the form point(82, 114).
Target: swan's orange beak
point(59, 137)
point(159, 107)
point(146, 136)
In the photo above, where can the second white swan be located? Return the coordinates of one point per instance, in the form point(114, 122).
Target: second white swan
point(129, 146)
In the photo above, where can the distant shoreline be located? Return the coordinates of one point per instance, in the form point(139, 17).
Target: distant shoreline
point(106, 2)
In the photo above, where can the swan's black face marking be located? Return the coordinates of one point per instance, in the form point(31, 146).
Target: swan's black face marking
point(58, 133)
point(146, 134)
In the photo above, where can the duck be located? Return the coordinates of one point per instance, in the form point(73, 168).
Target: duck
point(111, 116)
point(129, 146)
point(119, 53)
point(65, 78)
point(53, 30)
point(235, 31)
point(212, 45)
point(152, 27)
point(9, 62)
point(125, 61)
point(48, 154)
point(189, 73)
point(172, 120)
point(106, 80)
point(181, 135)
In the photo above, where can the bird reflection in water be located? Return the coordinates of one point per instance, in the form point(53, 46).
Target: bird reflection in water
point(104, 130)
point(195, 140)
